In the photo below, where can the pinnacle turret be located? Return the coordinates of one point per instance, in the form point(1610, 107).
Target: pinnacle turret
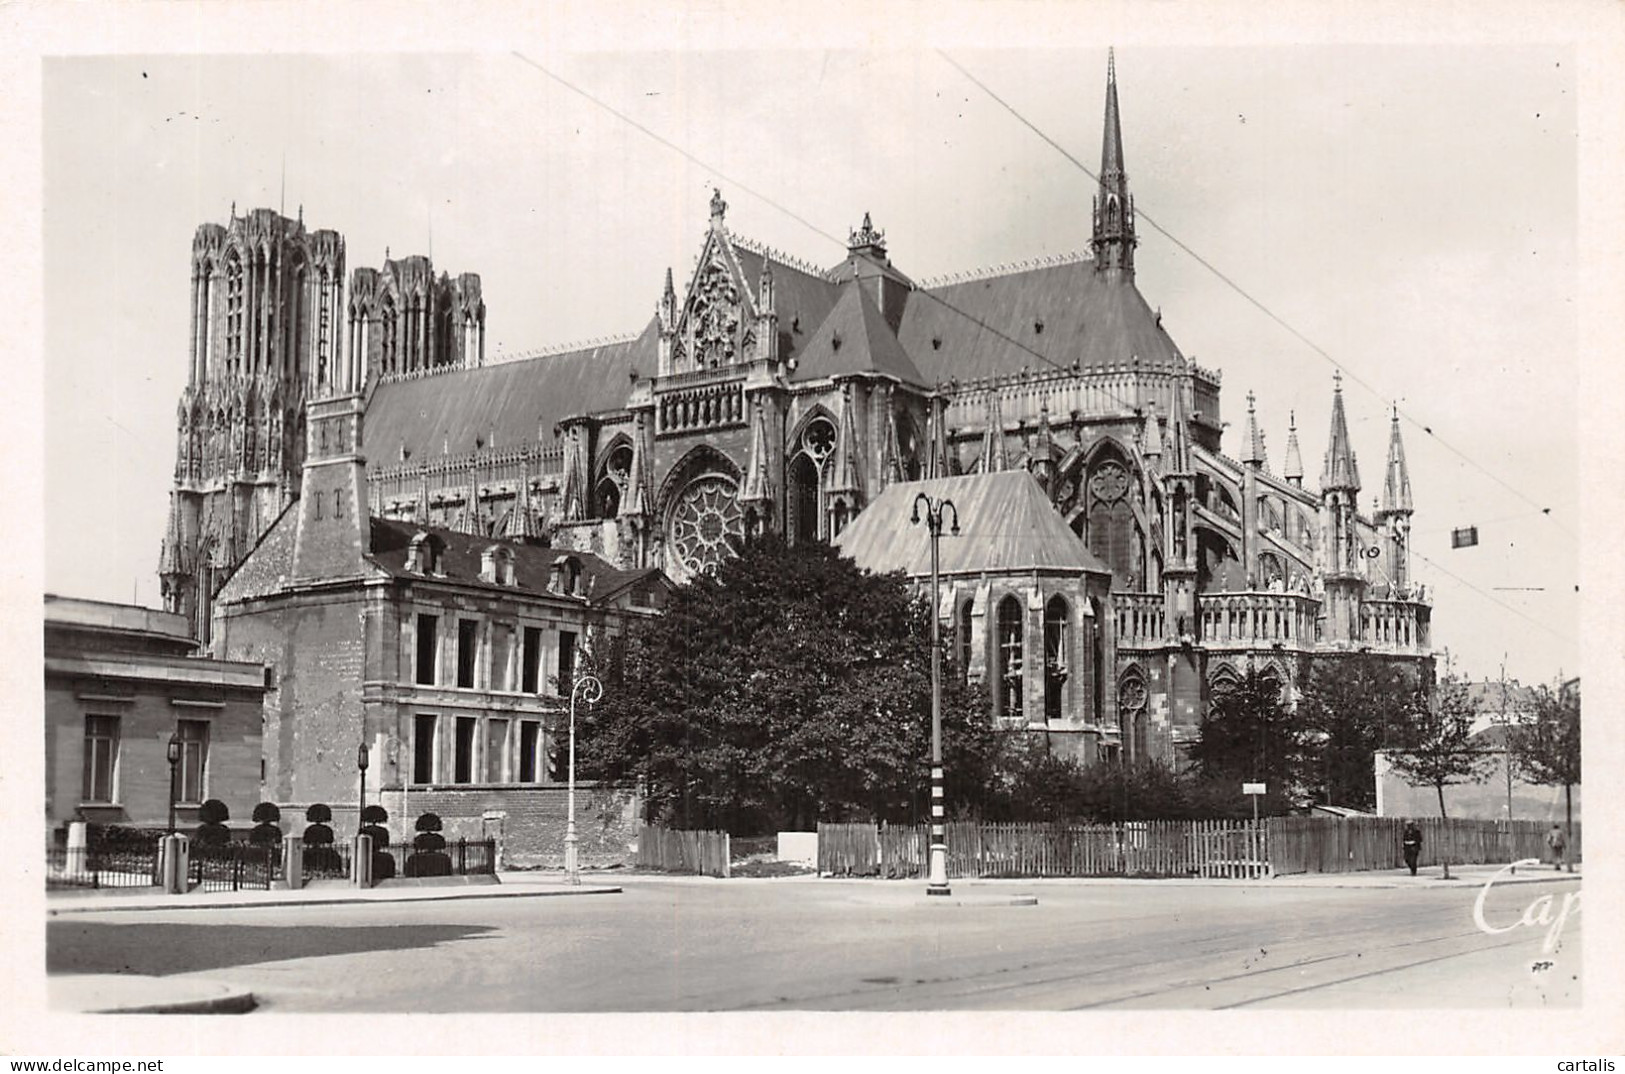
point(993, 454)
point(1340, 471)
point(1255, 436)
point(1294, 458)
point(1396, 485)
point(1178, 459)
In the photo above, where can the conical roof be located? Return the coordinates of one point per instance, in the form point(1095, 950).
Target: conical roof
point(1340, 470)
point(1006, 525)
point(1396, 485)
point(1294, 458)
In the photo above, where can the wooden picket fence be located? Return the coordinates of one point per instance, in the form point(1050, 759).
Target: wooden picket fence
point(672, 851)
point(1355, 844)
point(1276, 846)
point(1146, 848)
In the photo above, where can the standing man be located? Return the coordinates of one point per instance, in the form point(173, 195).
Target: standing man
point(1556, 844)
point(1413, 845)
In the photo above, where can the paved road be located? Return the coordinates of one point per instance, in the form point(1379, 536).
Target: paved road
point(860, 945)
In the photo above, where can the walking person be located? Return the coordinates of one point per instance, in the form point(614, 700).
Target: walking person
point(1556, 843)
point(1413, 845)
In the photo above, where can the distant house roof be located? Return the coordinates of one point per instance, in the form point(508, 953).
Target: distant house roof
point(517, 402)
point(461, 560)
point(1006, 524)
point(267, 567)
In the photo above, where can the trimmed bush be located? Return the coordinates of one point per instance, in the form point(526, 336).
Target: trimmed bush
point(428, 856)
point(383, 863)
point(318, 813)
point(266, 831)
point(213, 831)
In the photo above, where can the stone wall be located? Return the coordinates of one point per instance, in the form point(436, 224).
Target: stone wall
point(533, 821)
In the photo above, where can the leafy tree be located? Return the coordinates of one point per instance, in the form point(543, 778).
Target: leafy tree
point(1437, 748)
point(1546, 749)
point(789, 687)
point(1353, 705)
point(1249, 736)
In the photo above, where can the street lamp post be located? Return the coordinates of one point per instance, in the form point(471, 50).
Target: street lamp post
point(937, 884)
point(174, 754)
point(588, 689)
point(361, 764)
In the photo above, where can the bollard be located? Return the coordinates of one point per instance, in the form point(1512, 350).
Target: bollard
point(361, 861)
point(293, 862)
point(177, 862)
point(78, 863)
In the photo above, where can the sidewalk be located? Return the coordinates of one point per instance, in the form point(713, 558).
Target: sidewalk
point(323, 893)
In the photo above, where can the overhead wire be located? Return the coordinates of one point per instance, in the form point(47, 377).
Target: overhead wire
point(1141, 214)
point(735, 183)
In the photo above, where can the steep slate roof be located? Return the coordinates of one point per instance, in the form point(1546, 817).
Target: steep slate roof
point(445, 413)
point(1006, 524)
point(867, 344)
point(460, 562)
point(1087, 319)
point(801, 299)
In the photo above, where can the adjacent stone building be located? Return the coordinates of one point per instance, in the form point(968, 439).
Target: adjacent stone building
point(120, 681)
point(449, 656)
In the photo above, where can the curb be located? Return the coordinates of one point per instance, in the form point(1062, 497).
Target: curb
point(220, 998)
point(267, 904)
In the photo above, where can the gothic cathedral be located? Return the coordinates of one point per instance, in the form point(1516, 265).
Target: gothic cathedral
point(770, 394)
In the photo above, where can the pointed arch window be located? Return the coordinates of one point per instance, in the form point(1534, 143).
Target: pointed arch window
point(1011, 658)
point(1057, 656)
point(1131, 715)
point(963, 627)
point(234, 312)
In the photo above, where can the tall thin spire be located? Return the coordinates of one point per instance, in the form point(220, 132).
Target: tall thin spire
point(1114, 240)
point(1294, 458)
point(1396, 485)
point(1340, 470)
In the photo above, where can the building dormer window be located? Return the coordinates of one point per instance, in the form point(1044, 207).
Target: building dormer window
point(496, 565)
point(425, 554)
point(565, 577)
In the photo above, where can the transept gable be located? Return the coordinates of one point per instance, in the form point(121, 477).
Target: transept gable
point(717, 320)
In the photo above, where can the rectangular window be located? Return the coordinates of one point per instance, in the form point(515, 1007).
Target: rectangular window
point(531, 681)
point(427, 648)
point(423, 748)
point(101, 757)
point(496, 751)
point(194, 763)
point(567, 661)
point(530, 739)
point(463, 761)
point(501, 646)
point(468, 635)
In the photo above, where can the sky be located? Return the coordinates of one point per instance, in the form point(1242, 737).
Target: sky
point(1411, 211)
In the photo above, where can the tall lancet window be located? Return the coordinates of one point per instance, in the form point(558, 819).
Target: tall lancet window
point(1010, 658)
point(1057, 648)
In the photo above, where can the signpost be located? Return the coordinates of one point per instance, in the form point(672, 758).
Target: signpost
point(1253, 790)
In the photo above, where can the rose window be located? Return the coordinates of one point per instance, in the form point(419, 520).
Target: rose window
point(704, 522)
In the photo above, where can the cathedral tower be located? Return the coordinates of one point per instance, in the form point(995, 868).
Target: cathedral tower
point(264, 333)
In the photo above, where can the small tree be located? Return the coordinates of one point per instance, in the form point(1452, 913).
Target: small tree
point(373, 818)
point(428, 856)
point(267, 831)
point(213, 831)
point(319, 853)
point(1439, 752)
point(1546, 749)
point(1249, 736)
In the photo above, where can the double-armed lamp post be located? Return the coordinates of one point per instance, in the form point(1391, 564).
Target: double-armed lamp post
point(938, 881)
point(588, 689)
